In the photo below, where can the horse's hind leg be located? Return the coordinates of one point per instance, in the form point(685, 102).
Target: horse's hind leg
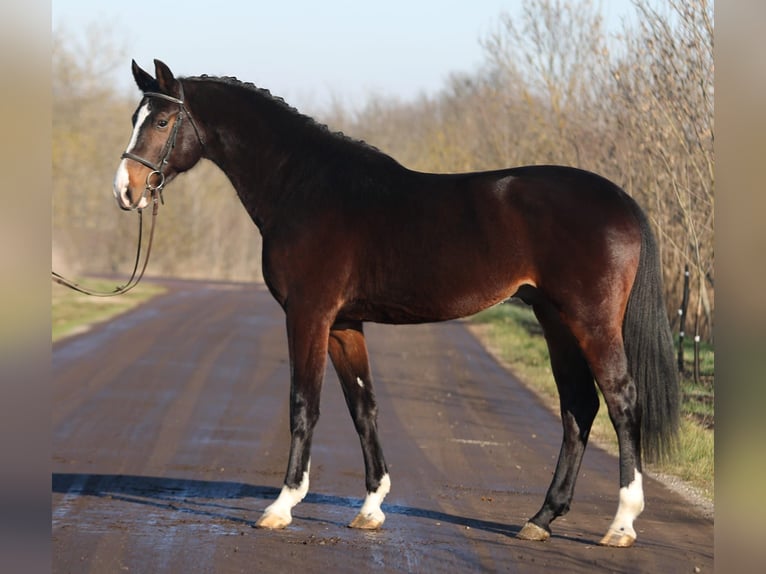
point(348, 352)
point(579, 404)
point(604, 349)
point(621, 398)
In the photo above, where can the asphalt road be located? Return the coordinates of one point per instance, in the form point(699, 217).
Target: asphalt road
point(170, 436)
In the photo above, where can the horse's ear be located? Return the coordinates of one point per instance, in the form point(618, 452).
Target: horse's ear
point(144, 81)
point(167, 82)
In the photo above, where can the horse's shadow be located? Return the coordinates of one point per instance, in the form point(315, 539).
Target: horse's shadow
point(218, 499)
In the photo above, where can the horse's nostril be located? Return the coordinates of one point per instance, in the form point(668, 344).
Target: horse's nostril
point(122, 196)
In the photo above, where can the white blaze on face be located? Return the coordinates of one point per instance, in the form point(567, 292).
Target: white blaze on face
point(121, 178)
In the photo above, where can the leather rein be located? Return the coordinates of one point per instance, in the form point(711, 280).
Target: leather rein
point(154, 189)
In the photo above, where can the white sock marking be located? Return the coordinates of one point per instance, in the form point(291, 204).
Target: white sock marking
point(631, 505)
point(288, 498)
point(372, 502)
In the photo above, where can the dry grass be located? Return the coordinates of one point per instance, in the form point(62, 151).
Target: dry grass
point(73, 312)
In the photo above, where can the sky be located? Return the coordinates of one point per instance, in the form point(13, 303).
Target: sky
point(309, 52)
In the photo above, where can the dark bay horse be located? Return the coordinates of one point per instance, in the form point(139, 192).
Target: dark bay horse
point(350, 235)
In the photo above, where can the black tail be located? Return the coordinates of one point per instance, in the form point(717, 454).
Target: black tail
point(649, 348)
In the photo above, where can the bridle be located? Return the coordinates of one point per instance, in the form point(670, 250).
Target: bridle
point(170, 144)
point(154, 191)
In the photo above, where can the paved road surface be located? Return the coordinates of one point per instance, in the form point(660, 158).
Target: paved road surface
point(170, 436)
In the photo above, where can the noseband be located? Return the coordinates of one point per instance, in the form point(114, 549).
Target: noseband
point(157, 168)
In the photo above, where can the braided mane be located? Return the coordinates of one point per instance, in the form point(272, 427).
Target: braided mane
point(280, 104)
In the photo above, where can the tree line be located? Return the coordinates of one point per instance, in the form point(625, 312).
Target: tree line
point(554, 87)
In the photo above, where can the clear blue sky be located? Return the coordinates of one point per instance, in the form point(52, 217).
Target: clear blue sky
point(308, 50)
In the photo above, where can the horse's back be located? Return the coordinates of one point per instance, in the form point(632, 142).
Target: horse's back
point(452, 245)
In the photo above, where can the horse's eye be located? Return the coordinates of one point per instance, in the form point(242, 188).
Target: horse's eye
point(162, 123)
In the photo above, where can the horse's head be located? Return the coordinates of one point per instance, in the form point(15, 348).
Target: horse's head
point(165, 141)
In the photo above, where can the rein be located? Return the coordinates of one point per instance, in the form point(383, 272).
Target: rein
point(134, 279)
point(155, 191)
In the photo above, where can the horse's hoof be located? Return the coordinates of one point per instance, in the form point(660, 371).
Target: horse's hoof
point(273, 521)
point(532, 531)
point(617, 539)
point(371, 521)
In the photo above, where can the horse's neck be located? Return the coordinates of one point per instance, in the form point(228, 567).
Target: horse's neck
point(250, 149)
point(277, 159)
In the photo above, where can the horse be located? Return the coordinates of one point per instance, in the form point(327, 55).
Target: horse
point(352, 236)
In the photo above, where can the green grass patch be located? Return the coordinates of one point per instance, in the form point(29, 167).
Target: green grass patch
point(699, 395)
point(511, 332)
point(707, 357)
point(73, 312)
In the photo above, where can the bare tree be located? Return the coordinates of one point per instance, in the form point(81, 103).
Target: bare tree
point(663, 103)
point(549, 67)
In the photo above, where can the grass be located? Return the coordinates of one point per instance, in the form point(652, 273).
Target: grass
point(73, 312)
point(511, 332)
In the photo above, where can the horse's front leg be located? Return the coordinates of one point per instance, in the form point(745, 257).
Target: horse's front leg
point(348, 352)
point(307, 337)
